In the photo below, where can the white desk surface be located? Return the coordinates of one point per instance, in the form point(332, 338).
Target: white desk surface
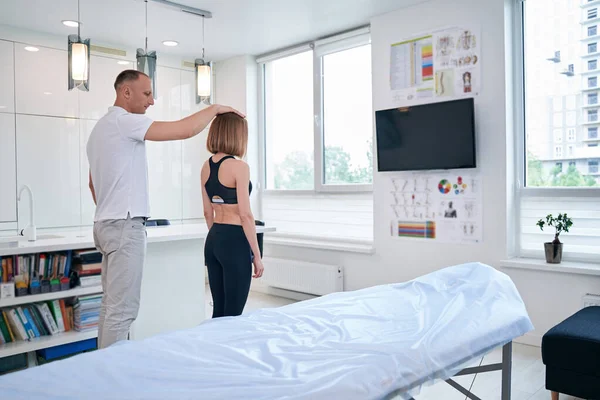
point(83, 238)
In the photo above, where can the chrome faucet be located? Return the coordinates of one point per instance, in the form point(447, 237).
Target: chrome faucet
point(29, 231)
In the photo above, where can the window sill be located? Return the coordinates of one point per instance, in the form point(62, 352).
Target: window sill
point(567, 267)
point(321, 244)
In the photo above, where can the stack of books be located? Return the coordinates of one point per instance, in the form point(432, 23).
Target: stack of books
point(86, 312)
point(88, 266)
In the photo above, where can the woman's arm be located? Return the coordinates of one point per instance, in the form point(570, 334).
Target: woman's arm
point(242, 181)
point(209, 213)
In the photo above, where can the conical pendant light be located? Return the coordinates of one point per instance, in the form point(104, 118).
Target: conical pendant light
point(146, 61)
point(79, 59)
point(203, 76)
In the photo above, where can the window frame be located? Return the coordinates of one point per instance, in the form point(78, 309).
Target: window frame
point(520, 140)
point(321, 47)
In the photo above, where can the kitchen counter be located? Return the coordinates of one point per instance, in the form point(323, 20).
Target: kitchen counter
point(173, 283)
point(56, 240)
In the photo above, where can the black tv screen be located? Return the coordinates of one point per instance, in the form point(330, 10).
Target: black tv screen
point(436, 136)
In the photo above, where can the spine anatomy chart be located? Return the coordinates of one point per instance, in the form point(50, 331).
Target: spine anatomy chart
point(442, 207)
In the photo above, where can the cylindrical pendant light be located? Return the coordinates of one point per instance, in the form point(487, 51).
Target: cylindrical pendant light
point(146, 61)
point(79, 59)
point(203, 76)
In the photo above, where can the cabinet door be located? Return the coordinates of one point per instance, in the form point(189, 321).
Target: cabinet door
point(164, 158)
point(103, 72)
point(194, 152)
point(8, 171)
point(88, 208)
point(48, 161)
point(7, 77)
point(41, 86)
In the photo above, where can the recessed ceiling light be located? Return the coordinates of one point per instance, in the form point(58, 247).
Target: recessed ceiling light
point(170, 43)
point(70, 24)
point(47, 93)
point(123, 62)
point(31, 48)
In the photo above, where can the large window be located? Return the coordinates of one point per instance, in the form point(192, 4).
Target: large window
point(347, 140)
point(289, 122)
point(320, 142)
point(547, 188)
point(317, 123)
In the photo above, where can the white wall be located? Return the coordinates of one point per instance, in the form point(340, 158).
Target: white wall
point(396, 259)
point(549, 297)
point(44, 130)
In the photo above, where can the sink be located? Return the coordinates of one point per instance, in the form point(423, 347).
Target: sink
point(16, 239)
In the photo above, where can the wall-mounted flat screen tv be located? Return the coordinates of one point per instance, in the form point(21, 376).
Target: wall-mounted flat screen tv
point(435, 136)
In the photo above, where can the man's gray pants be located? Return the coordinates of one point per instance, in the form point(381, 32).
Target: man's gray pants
point(122, 243)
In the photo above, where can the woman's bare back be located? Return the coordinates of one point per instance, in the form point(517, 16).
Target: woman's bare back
point(224, 213)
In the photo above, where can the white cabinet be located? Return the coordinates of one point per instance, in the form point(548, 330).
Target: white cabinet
point(103, 72)
point(164, 158)
point(88, 208)
point(48, 161)
point(7, 77)
point(41, 83)
point(194, 151)
point(8, 173)
point(167, 105)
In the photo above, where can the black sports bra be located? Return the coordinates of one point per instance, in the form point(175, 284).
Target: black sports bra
point(217, 192)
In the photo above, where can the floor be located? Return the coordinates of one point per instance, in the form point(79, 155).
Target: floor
point(527, 378)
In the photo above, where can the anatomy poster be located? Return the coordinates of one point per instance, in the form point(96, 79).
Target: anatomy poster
point(442, 64)
point(443, 207)
point(457, 61)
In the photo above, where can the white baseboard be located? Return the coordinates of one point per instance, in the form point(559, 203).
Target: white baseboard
point(288, 294)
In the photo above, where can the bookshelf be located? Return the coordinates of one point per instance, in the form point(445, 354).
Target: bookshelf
point(51, 322)
point(25, 346)
point(63, 294)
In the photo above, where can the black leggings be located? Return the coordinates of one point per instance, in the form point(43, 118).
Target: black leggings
point(228, 257)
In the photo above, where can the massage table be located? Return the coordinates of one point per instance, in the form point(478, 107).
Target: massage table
point(381, 342)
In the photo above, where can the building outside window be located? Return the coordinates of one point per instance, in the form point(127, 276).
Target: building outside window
point(574, 189)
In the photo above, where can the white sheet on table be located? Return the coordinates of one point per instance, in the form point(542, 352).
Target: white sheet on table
point(350, 345)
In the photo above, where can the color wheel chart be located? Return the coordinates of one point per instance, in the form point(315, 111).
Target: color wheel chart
point(434, 206)
point(444, 186)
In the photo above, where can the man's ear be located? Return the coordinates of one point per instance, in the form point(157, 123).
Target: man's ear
point(127, 92)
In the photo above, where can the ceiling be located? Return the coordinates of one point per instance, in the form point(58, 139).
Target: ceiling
point(237, 26)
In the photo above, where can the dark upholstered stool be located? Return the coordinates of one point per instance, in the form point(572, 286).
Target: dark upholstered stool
point(571, 353)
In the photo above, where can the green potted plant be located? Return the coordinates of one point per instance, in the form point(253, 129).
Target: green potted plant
point(553, 249)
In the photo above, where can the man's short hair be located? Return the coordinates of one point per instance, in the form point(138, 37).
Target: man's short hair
point(127, 75)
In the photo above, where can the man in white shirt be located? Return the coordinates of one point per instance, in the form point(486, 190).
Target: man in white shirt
point(118, 180)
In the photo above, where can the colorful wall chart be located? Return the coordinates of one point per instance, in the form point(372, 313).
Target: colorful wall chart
point(424, 230)
point(411, 66)
point(446, 207)
point(445, 63)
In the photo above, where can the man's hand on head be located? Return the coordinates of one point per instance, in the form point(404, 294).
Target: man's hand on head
point(225, 109)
